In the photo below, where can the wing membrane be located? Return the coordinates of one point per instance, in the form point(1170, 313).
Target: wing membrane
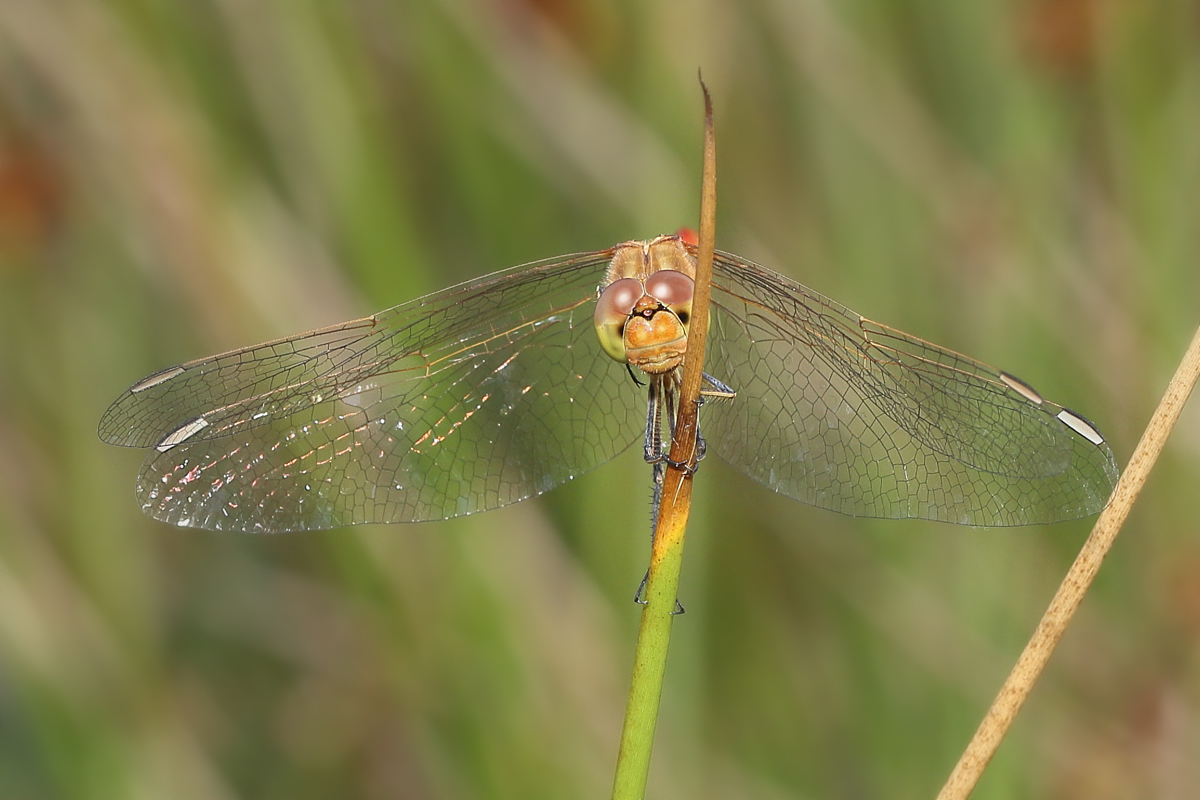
point(468, 399)
point(841, 412)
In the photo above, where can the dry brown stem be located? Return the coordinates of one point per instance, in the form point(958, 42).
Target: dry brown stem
point(1070, 594)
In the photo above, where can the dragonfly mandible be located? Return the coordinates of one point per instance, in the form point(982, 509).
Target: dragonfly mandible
point(501, 388)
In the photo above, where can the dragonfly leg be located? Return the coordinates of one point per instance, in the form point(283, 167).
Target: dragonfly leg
point(719, 390)
point(652, 448)
point(652, 445)
point(641, 601)
point(660, 474)
point(661, 400)
point(683, 466)
point(668, 402)
point(637, 596)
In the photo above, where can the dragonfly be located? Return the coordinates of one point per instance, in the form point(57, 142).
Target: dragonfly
point(504, 387)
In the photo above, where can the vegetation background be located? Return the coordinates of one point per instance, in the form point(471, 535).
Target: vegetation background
point(1016, 179)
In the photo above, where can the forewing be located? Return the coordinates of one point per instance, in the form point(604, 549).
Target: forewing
point(467, 399)
point(843, 413)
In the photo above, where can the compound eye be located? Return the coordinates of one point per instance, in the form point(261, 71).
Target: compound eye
point(674, 290)
point(612, 312)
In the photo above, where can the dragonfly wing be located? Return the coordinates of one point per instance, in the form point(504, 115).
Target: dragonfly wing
point(843, 413)
point(467, 399)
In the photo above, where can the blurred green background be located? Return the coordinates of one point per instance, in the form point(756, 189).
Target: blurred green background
point(1014, 179)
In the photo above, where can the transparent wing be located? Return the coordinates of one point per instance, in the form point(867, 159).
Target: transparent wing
point(843, 413)
point(467, 399)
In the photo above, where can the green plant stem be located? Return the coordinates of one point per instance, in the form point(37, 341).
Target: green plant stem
point(649, 667)
point(666, 558)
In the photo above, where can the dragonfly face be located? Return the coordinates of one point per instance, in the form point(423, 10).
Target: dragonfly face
point(643, 310)
point(501, 388)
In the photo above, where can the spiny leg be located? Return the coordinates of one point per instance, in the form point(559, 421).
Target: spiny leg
point(652, 448)
point(719, 390)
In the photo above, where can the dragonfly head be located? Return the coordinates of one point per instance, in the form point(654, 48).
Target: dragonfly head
point(645, 324)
